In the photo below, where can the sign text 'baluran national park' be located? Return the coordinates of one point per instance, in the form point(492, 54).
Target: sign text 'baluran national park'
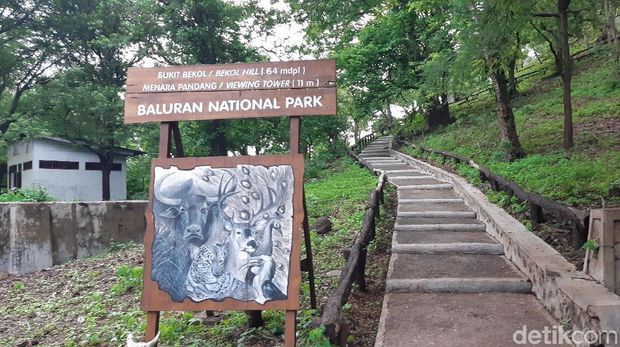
point(300, 88)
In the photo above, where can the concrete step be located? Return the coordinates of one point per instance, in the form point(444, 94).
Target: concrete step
point(381, 151)
point(379, 158)
point(440, 227)
point(424, 237)
point(406, 172)
point(449, 248)
point(426, 194)
point(436, 220)
point(433, 206)
point(420, 201)
point(436, 214)
point(413, 180)
point(428, 266)
point(388, 166)
point(457, 320)
point(427, 186)
point(374, 154)
point(383, 161)
point(459, 285)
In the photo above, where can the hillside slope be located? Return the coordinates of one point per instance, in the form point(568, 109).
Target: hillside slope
point(579, 177)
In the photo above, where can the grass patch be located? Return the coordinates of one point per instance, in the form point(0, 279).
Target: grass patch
point(581, 176)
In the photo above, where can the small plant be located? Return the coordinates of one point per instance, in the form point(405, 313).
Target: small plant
point(34, 194)
point(18, 285)
point(591, 245)
point(128, 278)
point(316, 337)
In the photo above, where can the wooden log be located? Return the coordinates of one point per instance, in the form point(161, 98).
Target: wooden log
point(577, 217)
point(354, 269)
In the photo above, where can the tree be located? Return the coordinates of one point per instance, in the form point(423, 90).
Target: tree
point(102, 39)
point(211, 32)
point(87, 113)
point(487, 34)
point(567, 73)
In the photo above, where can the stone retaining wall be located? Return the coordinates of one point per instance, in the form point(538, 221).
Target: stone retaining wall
point(35, 236)
point(570, 295)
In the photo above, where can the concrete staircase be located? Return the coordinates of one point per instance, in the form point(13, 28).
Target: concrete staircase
point(448, 283)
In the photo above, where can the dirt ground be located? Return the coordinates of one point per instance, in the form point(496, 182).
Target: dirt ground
point(86, 302)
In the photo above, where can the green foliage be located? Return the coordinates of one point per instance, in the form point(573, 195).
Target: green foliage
point(590, 245)
point(316, 337)
point(127, 279)
point(33, 194)
point(581, 176)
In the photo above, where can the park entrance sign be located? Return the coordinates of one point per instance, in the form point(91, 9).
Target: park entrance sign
point(225, 233)
point(202, 92)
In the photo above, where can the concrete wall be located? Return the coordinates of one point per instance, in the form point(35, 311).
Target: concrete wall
point(34, 236)
point(67, 185)
point(603, 263)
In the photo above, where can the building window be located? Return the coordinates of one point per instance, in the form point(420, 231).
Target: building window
point(28, 165)
point(94, 166)
point(15, 176)
point(59, 165)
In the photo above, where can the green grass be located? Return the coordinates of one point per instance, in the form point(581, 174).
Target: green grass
point(95, 301)
point(581, 176)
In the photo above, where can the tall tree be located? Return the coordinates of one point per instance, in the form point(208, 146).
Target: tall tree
point(211, 32)
point(567, 73)
point(487, 34)
point(83, 105)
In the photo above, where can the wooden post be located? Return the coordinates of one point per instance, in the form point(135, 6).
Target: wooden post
point(295, 125)
point(178, 144)
point(152, 317)
point(360, 277)
point(309, 259)
point(536, 215)
point(152, 325)
point(290, 328)
point(255, 318)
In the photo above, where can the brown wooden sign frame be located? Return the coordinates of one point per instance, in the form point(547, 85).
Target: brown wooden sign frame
point(155, 299)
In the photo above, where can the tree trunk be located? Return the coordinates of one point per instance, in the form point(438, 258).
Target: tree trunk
point(612, 34)
point(512, 80)
point(507, 127)
point(438, 112)
point(567, 73)
point(356, 130)
point(106, 162)
point(388, 115)
point(219, 146)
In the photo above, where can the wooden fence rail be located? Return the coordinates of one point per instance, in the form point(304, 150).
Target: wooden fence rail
point(361, 143)
point(336, 328)
point(537, 203)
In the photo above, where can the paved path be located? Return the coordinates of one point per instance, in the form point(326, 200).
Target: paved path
point(448, 283)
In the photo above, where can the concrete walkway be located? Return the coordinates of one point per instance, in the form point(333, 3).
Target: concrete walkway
point(448, 283)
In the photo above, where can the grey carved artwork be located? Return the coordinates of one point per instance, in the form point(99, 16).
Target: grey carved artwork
point(223, 233)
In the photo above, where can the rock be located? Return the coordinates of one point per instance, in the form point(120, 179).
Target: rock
point(322, 226)
point(4, 275)
point(333, 273)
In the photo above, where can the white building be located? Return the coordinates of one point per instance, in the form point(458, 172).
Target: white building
point(69, 172)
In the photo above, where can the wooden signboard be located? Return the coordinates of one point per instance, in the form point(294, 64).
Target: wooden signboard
point(224, 233)
point(202, 92)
